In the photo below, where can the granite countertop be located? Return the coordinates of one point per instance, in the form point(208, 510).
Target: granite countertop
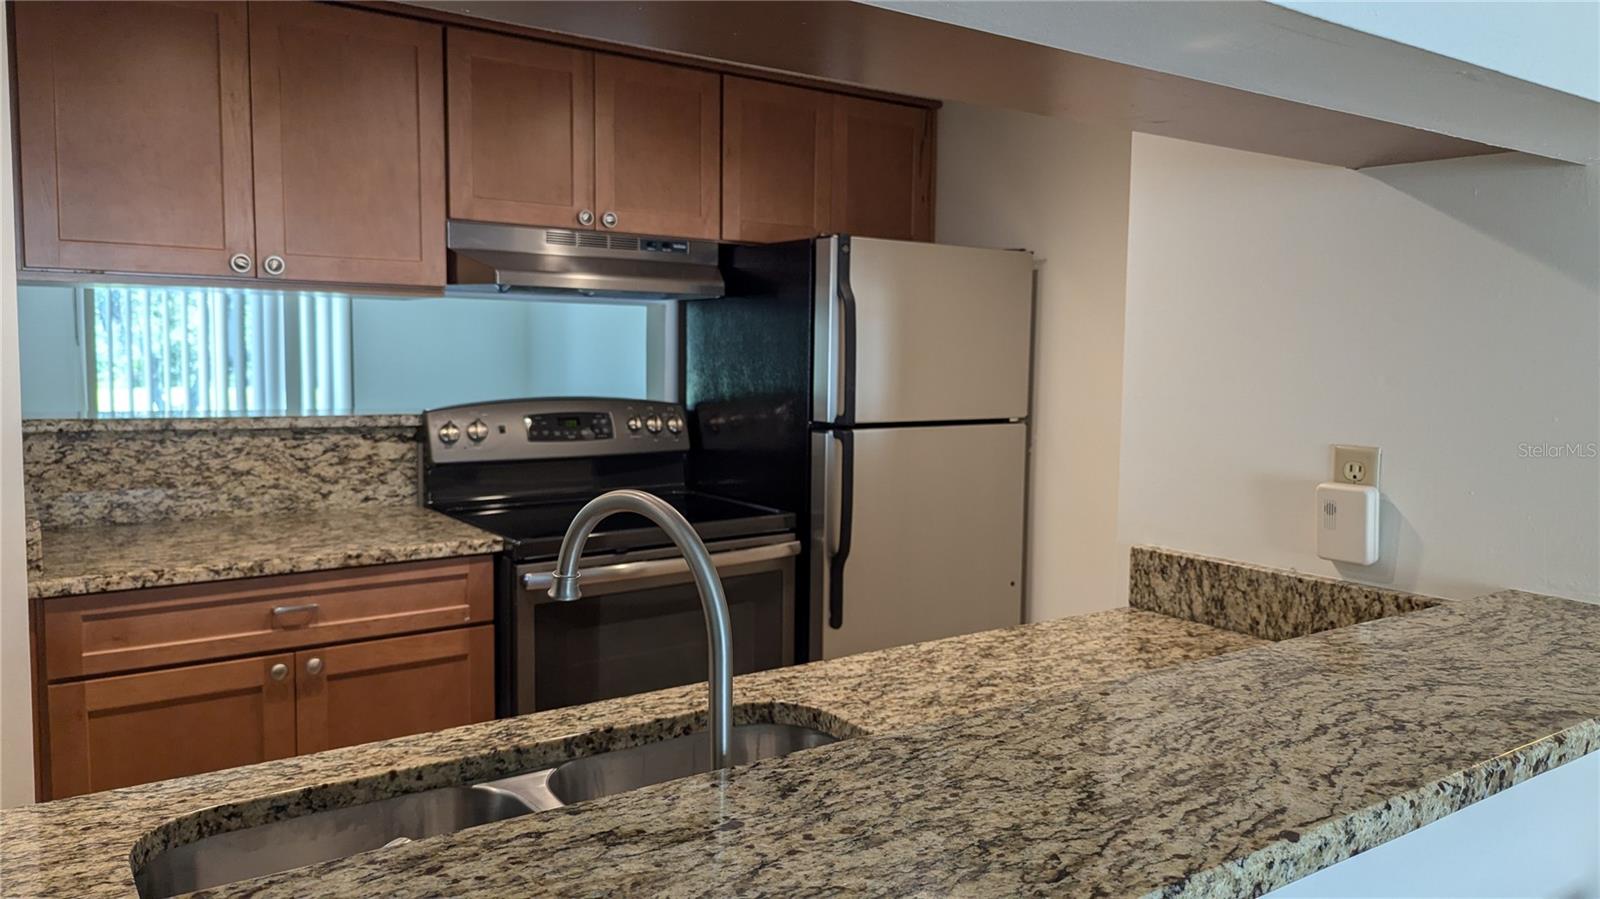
point(81, 847)
point(1118, 754)
point(101, 558)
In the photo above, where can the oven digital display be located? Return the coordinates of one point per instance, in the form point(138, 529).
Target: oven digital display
point(569, 426)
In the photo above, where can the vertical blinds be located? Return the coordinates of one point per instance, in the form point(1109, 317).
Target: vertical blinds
point(214, 351)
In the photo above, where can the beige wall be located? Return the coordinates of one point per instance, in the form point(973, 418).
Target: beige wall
point(16, 702)
point(1011, 179)
point(1448, 312)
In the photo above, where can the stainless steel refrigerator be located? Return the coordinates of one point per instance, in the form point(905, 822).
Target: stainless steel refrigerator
point(910, 425)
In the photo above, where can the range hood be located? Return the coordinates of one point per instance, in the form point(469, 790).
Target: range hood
point(511, 259)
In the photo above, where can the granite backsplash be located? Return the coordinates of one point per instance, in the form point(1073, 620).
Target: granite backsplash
point(131, 471)
point(1252, 599)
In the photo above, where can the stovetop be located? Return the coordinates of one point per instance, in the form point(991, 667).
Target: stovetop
point(534, 530)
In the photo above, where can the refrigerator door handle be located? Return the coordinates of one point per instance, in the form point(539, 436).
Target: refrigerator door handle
point(841, 551)
point(847, 339)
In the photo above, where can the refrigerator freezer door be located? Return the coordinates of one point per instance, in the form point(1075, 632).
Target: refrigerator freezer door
point(935, 526)
point(938, 333)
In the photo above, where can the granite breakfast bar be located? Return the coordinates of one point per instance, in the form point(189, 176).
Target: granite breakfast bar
point(1125, 753)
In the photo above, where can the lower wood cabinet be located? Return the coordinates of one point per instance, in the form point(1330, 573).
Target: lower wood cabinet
point(135, 728)
point(293, 691)
point(360, 692)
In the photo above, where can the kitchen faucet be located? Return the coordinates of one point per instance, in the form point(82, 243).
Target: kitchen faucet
point(719, 635)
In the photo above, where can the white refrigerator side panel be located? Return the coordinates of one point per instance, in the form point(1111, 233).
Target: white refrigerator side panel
point(937, 542)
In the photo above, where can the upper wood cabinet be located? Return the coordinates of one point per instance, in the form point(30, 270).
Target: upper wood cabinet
point(777, 156)
point(882, 169)
point(134, 136)
point(349, 144)
point(521, 130)
point(657, 147)
point(292, 140)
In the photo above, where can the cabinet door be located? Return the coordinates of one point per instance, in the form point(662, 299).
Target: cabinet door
point(134, 136)
point(521, 129)
point(348, 126)
point(136, 728)
point(657, 147)
point(777, 154)
point(882, 169)
point(359, 692)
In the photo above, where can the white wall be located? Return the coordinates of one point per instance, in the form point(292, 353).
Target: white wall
point(1011, 179)
point(1448, 312)
point(16, 696)
point(1555, 43)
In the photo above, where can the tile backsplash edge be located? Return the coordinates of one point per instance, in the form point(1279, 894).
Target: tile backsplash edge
point(1269, 603)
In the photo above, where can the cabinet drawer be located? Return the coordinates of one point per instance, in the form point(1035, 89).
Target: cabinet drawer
point(113, 632)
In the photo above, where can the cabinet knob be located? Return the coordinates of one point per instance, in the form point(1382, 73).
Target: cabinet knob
point(313, 665)
point(609, 219)
point(585, 217)
point(240, 262)
point(273, 265)
point(279, 671)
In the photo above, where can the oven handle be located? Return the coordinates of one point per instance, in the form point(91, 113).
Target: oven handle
point(539, 581)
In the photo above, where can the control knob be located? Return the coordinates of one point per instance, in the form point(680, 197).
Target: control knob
point(653, 423)
point(477, 431)
point(449, 433)
point(674, 424)
point(634, 423)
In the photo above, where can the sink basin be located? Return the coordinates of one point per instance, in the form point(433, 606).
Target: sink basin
point(629, 769)
point(293, 842)
point(337, 833)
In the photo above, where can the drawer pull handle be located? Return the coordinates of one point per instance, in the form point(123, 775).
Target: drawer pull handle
point(314, 666)
point(296, 615)
point(279, 671)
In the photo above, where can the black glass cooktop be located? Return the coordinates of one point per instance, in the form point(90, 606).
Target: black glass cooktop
point(535, 530)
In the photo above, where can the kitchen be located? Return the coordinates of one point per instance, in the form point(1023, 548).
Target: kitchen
point(338, 491)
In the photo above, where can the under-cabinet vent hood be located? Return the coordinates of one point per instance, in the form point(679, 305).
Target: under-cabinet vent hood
point(518, 259)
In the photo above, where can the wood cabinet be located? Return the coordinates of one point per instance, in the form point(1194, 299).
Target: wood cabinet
point(777, 156)
point(149, 684)
point(135, 728)
point(657, 147)
point(798, 162)
point(273, 140)
point(307, 142)
point(348, 132)
point(133, 124)
point(359, 692)
point(542, 134)
point(882, 169)
point(521, 130)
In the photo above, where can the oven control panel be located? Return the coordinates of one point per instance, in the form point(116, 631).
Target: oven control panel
point(515, 430)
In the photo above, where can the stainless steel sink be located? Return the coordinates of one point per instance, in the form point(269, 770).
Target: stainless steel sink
point(629, 769)
point(308, 839)
point(323, 836)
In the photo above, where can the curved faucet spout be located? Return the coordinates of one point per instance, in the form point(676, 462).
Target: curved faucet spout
point(565, 586)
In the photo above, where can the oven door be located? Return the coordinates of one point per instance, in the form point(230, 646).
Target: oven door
point(639, 626)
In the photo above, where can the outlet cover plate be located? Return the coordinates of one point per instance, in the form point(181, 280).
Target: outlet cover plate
point(1356, 464)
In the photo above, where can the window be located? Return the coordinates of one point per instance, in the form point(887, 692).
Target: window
point(214, 351)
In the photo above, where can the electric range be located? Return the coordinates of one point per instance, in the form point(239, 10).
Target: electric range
point(521, 469)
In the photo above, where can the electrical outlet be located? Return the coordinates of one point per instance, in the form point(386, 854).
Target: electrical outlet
point(1355, 464)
